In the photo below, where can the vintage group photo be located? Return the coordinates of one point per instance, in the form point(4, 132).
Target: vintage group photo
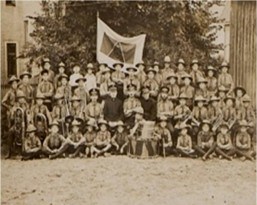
point(128, 102)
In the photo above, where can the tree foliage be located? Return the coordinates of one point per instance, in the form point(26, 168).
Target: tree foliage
point(180, 29)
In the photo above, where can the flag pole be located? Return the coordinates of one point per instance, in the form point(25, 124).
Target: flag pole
point(97, 16)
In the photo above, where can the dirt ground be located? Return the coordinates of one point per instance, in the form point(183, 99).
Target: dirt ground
point(122, 180)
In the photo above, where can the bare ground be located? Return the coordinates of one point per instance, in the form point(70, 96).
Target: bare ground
point(122, 180)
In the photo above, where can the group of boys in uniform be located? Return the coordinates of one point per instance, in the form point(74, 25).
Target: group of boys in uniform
point(93, 112)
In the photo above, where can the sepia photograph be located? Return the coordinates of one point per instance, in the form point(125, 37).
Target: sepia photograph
point(122, 102)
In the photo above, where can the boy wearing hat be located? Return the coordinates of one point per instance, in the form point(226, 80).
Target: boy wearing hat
point(184, 144)
point(158, 75)
point(76, 109)
point(137, 128)
point(113, 106)
point(229, 112)
point(130, 104)
point(94, 108)
point(180, 71)
point(76, 74)
point(141, 72)
point(196, 74)
point(90, 136)
point(46, 88)
point(182, 111)
point(222, 93)
point(120, 138)
point(61, 70)
point(201, 90)
point(64, 89)
point(103, 139)
point(205, 140)
point(188, 89)
point(225, 78)
point(132, 79)
point(54, 143)
point(90, 77)
point(243, 141)
point(106, 83)
point(47, 66)
point(214, 111)
point(118, 77)
point(32, 144)
point(99, 74)
point(239, 92)
point(167, 68)
point(59, 111)
point(172, 85)
point(212, 82)
point(148, 104)
point(81, 92)
point(25, 86)
point(151, 83)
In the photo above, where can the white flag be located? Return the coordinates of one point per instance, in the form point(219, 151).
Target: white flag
point(113, 48)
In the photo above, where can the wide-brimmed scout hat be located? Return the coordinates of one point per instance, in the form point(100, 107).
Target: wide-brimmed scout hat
point(44, 71)
point(181, 61)
point(162, 118)
point(211, 68)
point(246, 98)
point(222, 89)
point(75, 122)
point(40, 96)
point(120, 123)
point(63, 76)
point(202, 80)
point(229, 97)
point(118, 63)
point(195, 61)
point(25, 73)
point(167, 59)
point(150, 70)
point(102, 122)
point(214, 98)
point(183, 77)
point(106, 70)
point(183, 96)
point(171, 75)
point(90, 66)
point(139, 110)
point(206, 122)
point(140, 63)
point(112, 87)
point(200, 98)
point(75, 98)
point(164, 89)
point(130, 86)
point(61, 64)
point(80, 78)
point(156, 63)
point(94, 91)
point(46, 60)
point(224, 64)
point(91, 123)
point(54, 123)
point(184, 126)
point(131, 69)
point(31, 128)
point(244, 123)
point(145, 89)
point(20, 94)
point(224, 124)
point(239, 88)
point(12, 79)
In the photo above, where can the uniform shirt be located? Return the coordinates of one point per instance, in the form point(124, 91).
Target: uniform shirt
point(249, 114)
point(93, 110)
point(205, 137)
point(51, 75)
point(165, 134)
point(58, 112)
point(229, 113)
point(90, 136)
point(212, 84)
point(104, 88)
point(131, 103)
point(103, 137)
point(200, 113)
point(223, 139)
point(226, 80)
point(113, 109)
point(118, 77)
point(239, 113)
point(173, 91)
point(75, 137)
point(238, 102)
point(129, 81)
point(188, 90)
point(91, 81)
point(165, 72)
point(243, 138)
point(201, 92)
point(120, 138)
point(179, 75)
point(46, 88)
point(182, 110)
point(82, 93)
point(65, 91)
point(74, 77)
point(165, 107)
point(213, 112)
point(77, 112)
point(32, 142)
point(141, 77)
point(35, 109)
point(184, 141)
point(57, 83)
point(153, 85)
point(196, 75)
point(149, 107)
point(222, 104)
point(99, 78)
point(27, 89)
point(53, 141)
point(158, 78)
point(9, 99)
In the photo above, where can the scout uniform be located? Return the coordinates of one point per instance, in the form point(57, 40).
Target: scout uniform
point(172, 85)
point(59, 110)
point(141, 73)
point(167, 68)
point(148, 104)
point(103, 139)
point(81, 92)
point(152, 83)
point(106, 83)
point(248, 110)
point(229, 111)
point(76, 109)
point(90, 77)
point(214, 110)
point(205, 140)
point(130, 104)
point(137, 127)
point(188, 89)
point(131, 80)
point(225, 78)
point(90, 136)
point(99, 75)
point(222, 91)
point(184, 144)
point(120, 138)
point(200, 112)
point(94, 108)
point(239, 93)
point(76, 74)
point(46, 88)
point(158, 76)
point(196, 74)
point(201, 90)
point(164, 105)
point(64, 89)
point(182, 110)
point(61, 68)
point(32, 144)
point(54, 144)
point(47, 66)
point(113, 106)
point(212, 82)
point(181, 71)
point(118, 77)
point(25, 87)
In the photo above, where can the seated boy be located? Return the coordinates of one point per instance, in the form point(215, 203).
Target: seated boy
point(120, 138)
point(184, 144)
point(90, 136)
point(205, 140)
point(32, 144)
point(103, 139)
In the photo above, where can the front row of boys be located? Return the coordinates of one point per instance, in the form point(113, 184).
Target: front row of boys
point(99, 142)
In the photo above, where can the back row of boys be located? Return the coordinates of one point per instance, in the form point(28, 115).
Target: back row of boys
point(160, 92)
